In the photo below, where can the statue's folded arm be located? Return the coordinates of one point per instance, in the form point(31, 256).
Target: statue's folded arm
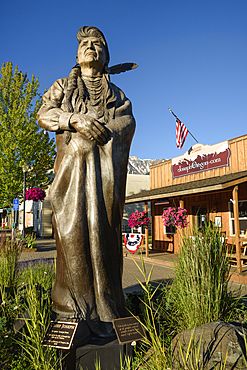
point(50, 116)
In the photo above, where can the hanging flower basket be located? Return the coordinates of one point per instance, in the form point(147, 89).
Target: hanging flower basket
point(176, 217)
point(35, 194)
point(137, 219)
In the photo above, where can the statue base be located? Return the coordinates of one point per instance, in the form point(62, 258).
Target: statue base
point(109, 353)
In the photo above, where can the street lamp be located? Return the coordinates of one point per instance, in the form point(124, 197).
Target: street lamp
point(24, 170)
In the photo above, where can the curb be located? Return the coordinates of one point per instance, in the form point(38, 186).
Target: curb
point(151, 260)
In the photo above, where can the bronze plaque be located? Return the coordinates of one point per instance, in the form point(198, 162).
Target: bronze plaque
point(21, 322)
point(128, 329)
point(60, 334)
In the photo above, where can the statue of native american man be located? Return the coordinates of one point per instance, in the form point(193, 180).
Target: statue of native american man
point(94, 127)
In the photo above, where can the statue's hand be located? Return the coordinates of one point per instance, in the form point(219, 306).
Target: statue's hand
point(89, 127)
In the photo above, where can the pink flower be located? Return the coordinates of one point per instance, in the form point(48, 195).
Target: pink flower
point(137, 219)
point(176, 217)
point(35, 194)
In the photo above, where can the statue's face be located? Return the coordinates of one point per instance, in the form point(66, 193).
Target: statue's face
point(90, 50)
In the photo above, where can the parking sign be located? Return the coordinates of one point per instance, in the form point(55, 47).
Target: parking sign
point(16, 204)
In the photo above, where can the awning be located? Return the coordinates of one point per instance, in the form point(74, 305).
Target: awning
point(6, 209)
point(188, 188)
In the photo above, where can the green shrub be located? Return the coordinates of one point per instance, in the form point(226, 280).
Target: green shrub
point(30, 240)
point(34, 287)
point(200, 289)
point(41, 272)
point(151, 353)
point(39, 305)
point(9, 255)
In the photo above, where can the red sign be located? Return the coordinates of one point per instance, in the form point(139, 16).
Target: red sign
point(201, 158)
point(132, 242)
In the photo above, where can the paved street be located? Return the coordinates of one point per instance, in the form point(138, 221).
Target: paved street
point(46, 249)
point(131, 274)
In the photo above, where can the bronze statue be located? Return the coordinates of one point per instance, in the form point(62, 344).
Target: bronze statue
point(94, 127)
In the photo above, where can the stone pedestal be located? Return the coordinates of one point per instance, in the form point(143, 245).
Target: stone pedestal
point(108, 353)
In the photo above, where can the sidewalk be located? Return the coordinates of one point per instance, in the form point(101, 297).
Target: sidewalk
point(162, 262)
point(46, 248)
point(169, 259)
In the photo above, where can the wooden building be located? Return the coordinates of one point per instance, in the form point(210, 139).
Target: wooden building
point(39, 216)
point(211, 183)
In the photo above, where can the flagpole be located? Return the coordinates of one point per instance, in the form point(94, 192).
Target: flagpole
point(181, 121)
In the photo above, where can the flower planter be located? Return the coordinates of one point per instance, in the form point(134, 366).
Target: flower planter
point(29, 250)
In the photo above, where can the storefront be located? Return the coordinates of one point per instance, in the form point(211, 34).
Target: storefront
point(210, 181)
point(5, 217)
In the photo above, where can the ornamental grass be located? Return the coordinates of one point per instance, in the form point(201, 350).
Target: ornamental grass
point(200, 288)
point(9, 254)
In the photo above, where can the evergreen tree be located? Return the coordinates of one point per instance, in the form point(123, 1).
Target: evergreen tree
point(21, 139)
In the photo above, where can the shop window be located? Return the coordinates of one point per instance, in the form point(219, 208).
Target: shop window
point(169, 229)
point(200, 216)
point(139, 230)
point(126, 229)
point(242, 214)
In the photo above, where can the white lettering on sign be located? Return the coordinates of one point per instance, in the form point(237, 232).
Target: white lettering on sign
point(200, 165)
point(203, 158)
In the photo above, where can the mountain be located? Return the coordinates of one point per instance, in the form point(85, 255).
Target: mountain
point(139, 166)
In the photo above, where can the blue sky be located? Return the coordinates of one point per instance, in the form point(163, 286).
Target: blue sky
point(192, 57)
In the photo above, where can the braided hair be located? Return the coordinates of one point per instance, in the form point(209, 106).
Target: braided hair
point(75, 82)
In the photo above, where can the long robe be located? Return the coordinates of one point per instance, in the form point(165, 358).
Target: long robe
point(87, 198)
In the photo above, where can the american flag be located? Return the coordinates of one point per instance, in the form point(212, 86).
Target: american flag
point(181, 133)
